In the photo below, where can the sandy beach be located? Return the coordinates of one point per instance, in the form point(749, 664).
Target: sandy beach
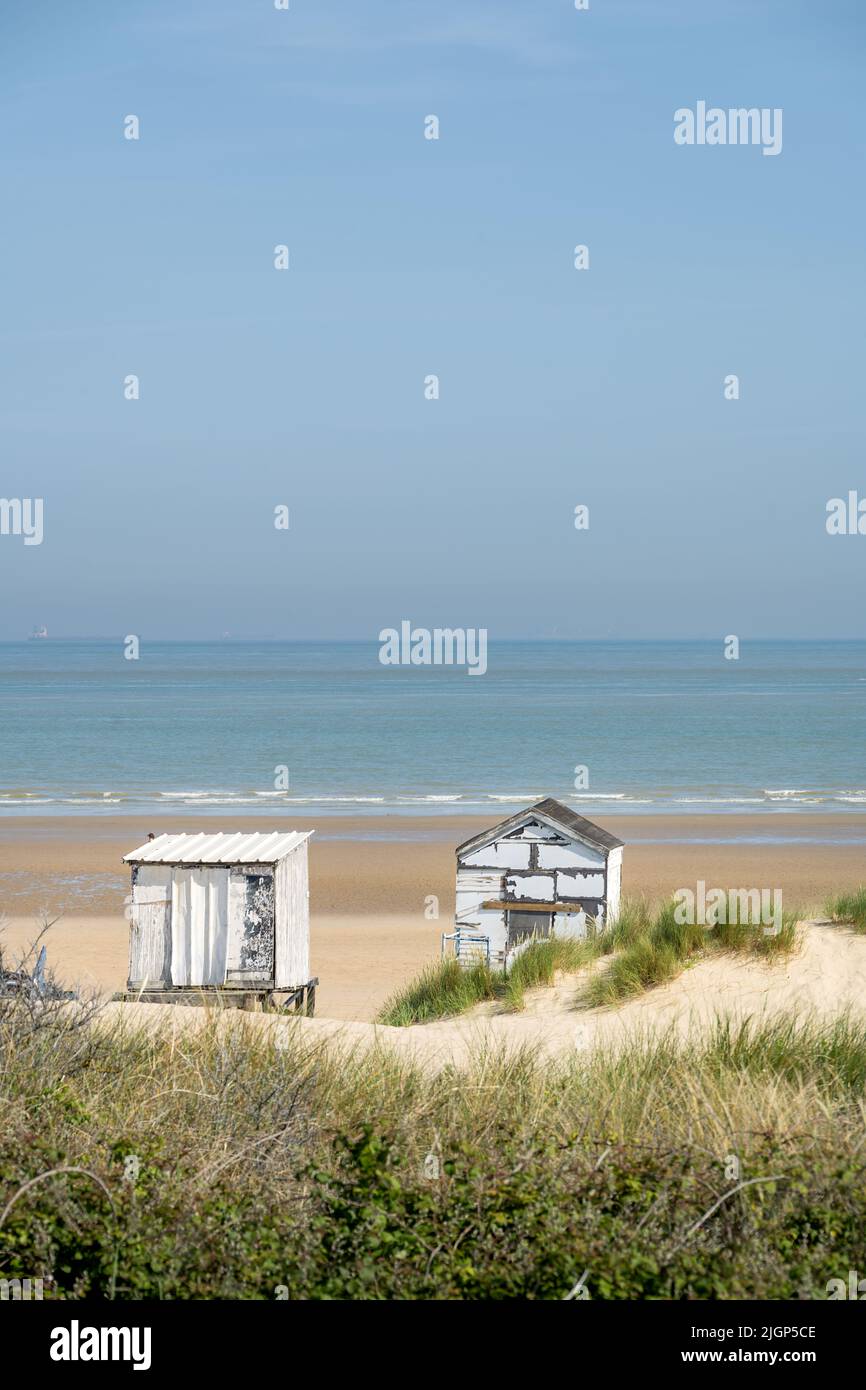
point(372, 879)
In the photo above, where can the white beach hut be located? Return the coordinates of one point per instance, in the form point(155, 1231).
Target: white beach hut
point(221, 911)
point(543, 872)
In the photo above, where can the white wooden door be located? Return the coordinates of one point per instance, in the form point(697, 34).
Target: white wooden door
point(150, 927)
point(199, 926)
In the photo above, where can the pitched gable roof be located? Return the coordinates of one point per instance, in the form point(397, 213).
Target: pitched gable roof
point(555, 814)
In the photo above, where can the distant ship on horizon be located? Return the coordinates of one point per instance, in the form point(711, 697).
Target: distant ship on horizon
point(38, 632)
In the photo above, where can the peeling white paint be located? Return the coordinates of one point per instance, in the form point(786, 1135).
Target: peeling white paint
point(574, 856)
point(535, 887)
point(576, 885)
point(570, 926)
point(506, 854)
point(152, 884)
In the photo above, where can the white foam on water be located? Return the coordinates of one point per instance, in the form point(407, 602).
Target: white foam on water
point(423, 800)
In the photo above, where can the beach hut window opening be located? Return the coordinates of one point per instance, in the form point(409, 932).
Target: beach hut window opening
point(252, 925)
point(525, 925)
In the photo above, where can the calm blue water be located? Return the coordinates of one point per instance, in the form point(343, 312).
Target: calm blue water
point(660, 726)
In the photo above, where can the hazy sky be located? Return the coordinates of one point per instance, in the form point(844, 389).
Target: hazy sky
point(410, 257)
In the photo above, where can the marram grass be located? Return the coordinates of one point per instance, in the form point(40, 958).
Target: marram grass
point(445, 989)
point(439, 991)
point(645, 947)
point(666, 946)
point(849, 908)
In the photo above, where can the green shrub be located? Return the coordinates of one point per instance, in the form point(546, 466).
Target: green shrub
point(332, 1174)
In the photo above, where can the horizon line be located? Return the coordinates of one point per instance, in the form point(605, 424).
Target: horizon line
point(346, 641)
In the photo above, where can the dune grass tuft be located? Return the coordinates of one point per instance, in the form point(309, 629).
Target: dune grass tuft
point(445, 989)
point(440, 991)
point(653, 950)
point(654, 955)
point(849, 908)
point(636, 917)
point(755, 939)
point(829, 1053)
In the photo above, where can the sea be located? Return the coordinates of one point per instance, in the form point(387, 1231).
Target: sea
point(324, 728)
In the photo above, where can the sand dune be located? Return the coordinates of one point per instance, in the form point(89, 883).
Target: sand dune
point(826, 975)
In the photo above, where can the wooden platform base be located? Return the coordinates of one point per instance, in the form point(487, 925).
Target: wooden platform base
point(265, 1000)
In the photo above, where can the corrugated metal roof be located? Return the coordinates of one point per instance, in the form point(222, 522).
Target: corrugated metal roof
point(226, 847)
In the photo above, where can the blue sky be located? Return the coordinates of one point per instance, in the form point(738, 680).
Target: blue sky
point(411, 257)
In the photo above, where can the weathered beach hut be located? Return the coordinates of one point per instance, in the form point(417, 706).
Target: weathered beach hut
point(226, 912)
point(543, 872)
